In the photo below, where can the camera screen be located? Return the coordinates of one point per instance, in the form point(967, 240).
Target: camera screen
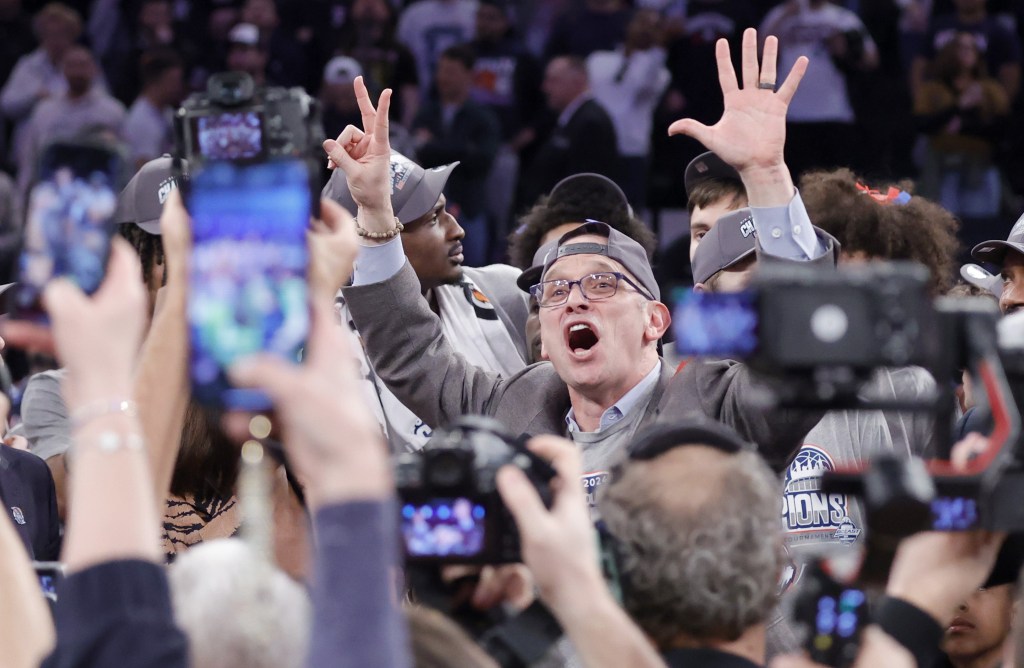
point(69, 221)
point(230, 135)
point(444, 527)
point(953, 513)
point(247, 289)
point(706, 323)
point(838, 616)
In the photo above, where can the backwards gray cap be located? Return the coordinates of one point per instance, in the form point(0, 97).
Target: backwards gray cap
point(994, 251)
point(531, 276)
point(414, 190)
point(620, 248)
point(142, 200)
point(707, 167)
point(729, 241)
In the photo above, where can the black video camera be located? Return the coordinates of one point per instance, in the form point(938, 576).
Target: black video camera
point(450, 507)
point(238, 122)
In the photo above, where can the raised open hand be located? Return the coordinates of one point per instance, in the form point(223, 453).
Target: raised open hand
point(751, 134)
point(364, 155)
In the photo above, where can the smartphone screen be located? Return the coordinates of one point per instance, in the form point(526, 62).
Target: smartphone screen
point(247, 289)
point(719, 324)
point(69, 222)
point(444, 527)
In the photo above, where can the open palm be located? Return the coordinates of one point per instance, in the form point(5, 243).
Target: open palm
point(752, 131)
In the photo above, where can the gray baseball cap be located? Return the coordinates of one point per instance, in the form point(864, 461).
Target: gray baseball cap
point(994, 251)
point(414, 190)
point(531, 276)
point(142, 200)
point(620, 248)
point(707, 167)
point(980, 277)
point(729, 241)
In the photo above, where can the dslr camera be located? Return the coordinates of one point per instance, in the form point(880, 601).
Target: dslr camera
point(450, 507)
point(236, 121)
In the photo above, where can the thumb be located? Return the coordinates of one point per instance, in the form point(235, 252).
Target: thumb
point(268, 373)
point(520, 498)
point(61, 298)
point(690, 128)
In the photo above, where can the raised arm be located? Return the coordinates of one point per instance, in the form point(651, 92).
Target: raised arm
point(161, 379)
point(402, 336)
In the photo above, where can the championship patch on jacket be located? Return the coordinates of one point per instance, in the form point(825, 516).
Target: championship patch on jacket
point(808, 514)
point(591, 481)
point(482, 306)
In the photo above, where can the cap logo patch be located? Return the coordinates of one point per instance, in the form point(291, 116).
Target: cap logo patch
point(976, 271)
point(701, 167)
point(583, 249)
point(401, 171)
point(166, 186)
point(747, 228)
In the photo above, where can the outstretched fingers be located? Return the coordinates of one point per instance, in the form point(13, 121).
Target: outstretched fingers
point(769, 62)
point(366, 109)
point(726, 72)
point(788, 88)
point(751, 72)
point(383, 124)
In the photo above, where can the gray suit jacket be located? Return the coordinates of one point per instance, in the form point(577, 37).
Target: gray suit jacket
point(407, 348)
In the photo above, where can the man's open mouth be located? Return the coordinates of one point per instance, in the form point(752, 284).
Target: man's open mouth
point(581, 338)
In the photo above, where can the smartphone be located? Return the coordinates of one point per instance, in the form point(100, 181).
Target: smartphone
point(715, 324)
point(444, 527)
point(834, 613)
point(49, 574)
point(248, 287)
point(69, 222)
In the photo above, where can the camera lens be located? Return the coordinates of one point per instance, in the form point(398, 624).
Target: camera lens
point(445, 469)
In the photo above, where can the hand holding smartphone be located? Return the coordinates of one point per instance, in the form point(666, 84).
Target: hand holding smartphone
point(69, 221)
point(247, 283)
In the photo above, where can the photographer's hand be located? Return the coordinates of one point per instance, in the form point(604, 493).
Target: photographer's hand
point(365, 155)
point(560, 548)
point(333, 247)
point(751, 135)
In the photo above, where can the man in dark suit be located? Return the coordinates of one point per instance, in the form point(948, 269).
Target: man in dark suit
point(454, 128)
point(583, 139)
point(29, 498)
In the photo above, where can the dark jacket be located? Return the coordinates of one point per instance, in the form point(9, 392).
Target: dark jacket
point(586, 143)
point(472, 139)
point(30, 499)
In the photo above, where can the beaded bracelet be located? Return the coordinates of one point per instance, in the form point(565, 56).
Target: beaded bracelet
point(380, 236)
point(90, 412)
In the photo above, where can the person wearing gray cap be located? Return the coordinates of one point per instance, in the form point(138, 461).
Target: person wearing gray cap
point(601, 314)
point(713, 188)
point(1009, 257)
point(481, 311)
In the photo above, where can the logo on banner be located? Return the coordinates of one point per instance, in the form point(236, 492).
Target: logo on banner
point(809, 514)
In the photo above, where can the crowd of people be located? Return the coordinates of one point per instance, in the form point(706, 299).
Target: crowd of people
point(684, 516)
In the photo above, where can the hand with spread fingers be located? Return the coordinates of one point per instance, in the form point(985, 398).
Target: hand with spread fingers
point(751, 134)
point(365, 156)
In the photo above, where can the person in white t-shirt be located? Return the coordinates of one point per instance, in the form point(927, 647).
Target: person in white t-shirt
point(821, 127)
point(628, 82)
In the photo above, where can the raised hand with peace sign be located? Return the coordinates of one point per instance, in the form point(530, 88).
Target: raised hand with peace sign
point(751, 134)
point(364, 155)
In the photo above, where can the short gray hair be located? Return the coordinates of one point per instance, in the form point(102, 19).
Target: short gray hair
point(699, 542)
point(237, 609)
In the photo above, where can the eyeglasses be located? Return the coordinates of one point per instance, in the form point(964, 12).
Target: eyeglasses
point(593, 287)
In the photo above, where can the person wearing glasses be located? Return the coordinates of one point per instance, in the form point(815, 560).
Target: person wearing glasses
point(601, 314)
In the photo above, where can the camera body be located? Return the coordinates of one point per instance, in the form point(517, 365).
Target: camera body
point(237, 121)
point(450, 507)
